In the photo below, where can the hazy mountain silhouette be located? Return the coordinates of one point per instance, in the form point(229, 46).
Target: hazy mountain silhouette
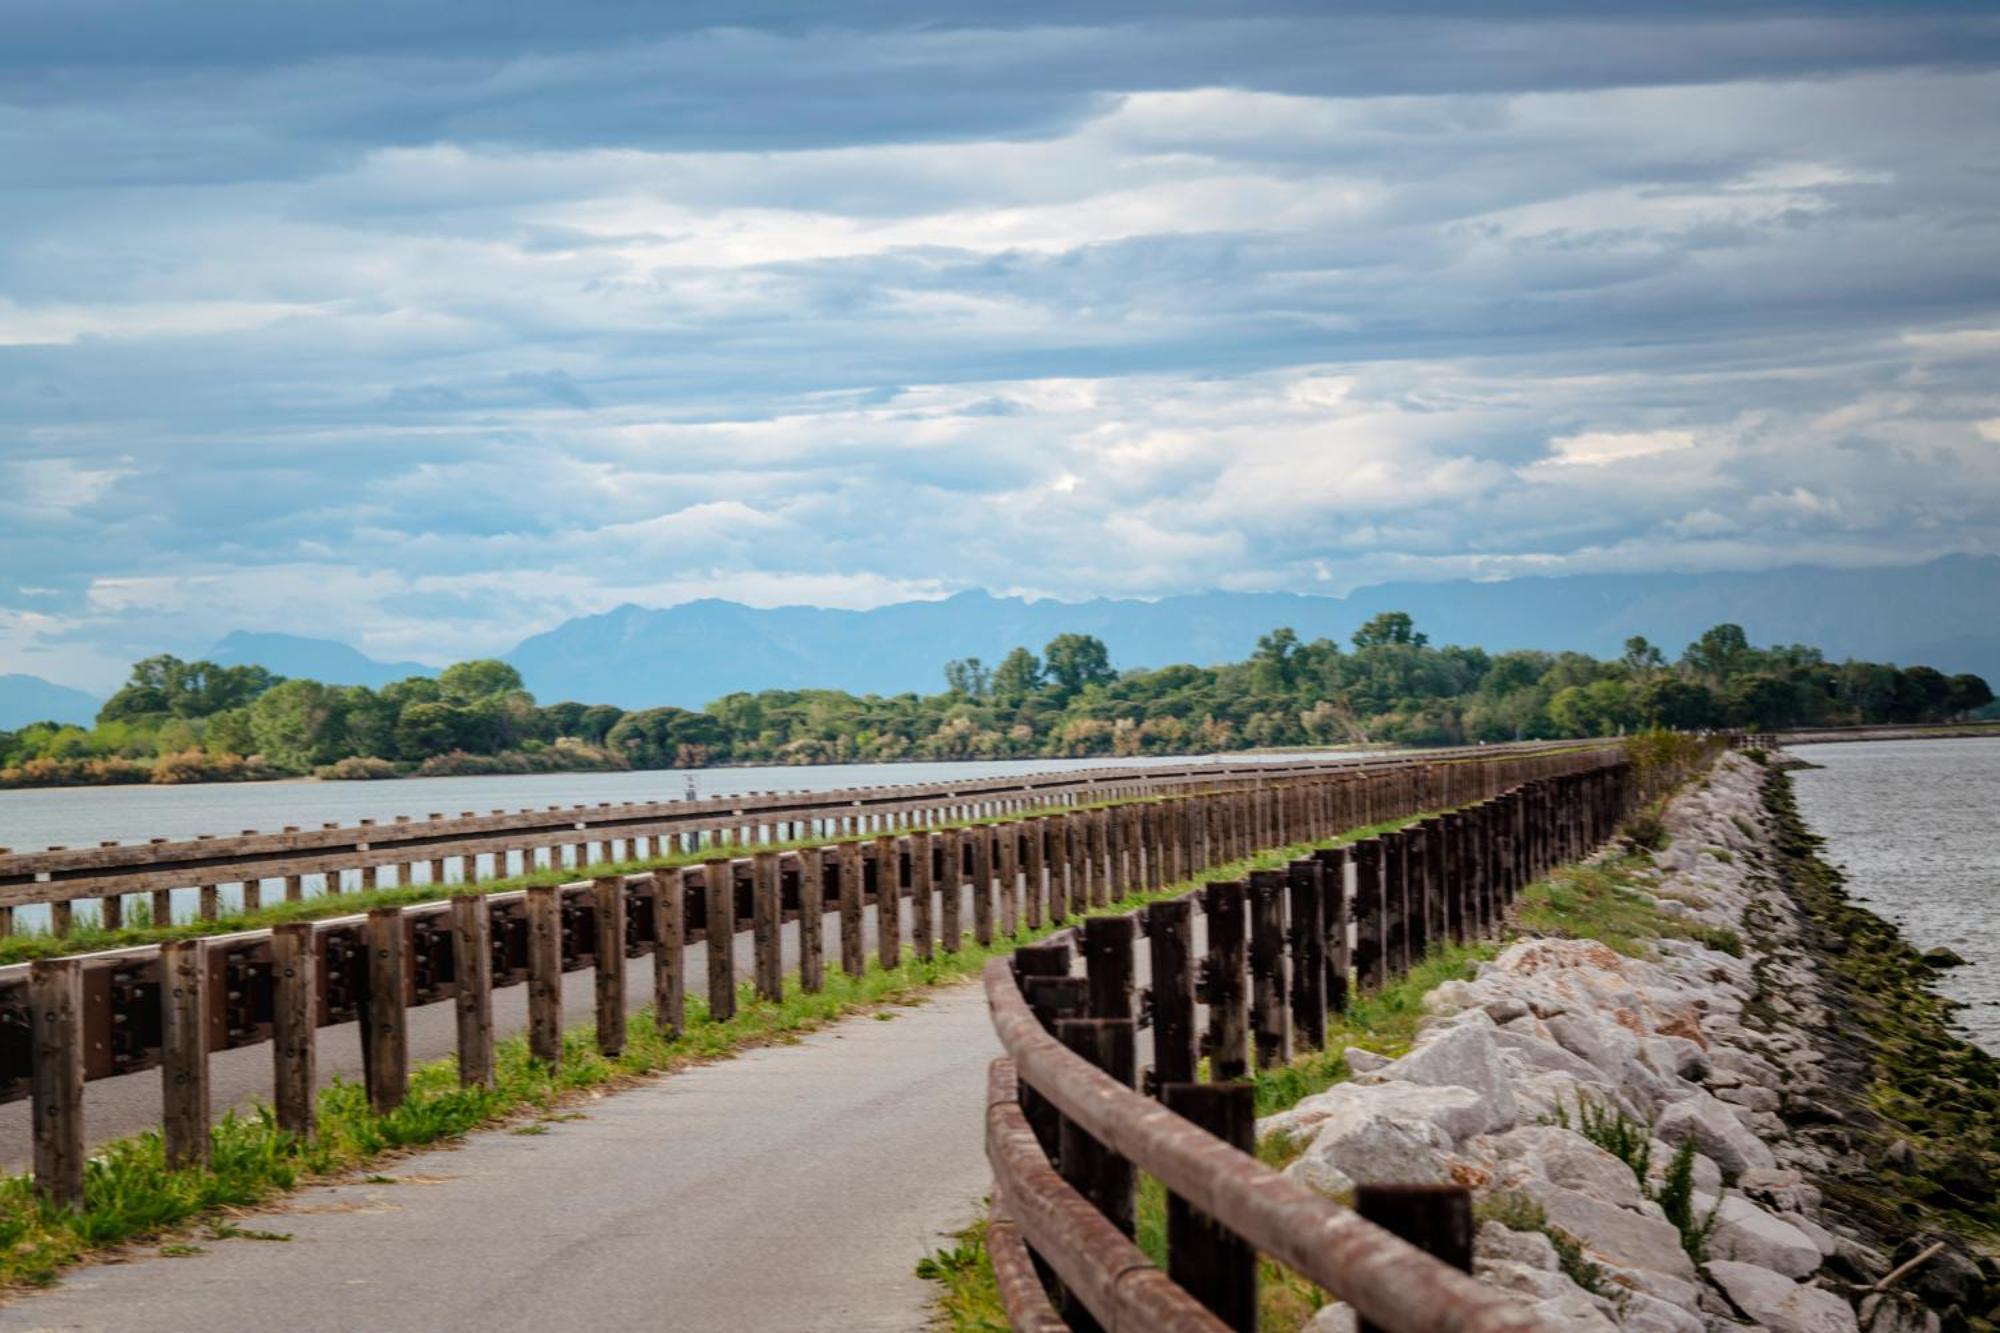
point(25, 699)
point(1939, 614)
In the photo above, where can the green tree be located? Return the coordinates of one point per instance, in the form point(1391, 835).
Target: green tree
point(1078, 660)
point(967, 676)
point(1719, 654)
point(298, 724)
point(1017, 677)
point(1272, 664)
point(1390, 628)
point(465, 682)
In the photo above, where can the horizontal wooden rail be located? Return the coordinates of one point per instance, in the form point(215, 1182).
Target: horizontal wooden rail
point(119, 1015)
point(1066, 1129)
point(61, 875)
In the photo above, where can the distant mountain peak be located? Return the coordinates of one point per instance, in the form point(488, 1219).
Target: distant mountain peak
point(698, 651)
point(326, 660)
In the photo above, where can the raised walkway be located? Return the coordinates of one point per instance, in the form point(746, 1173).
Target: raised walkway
point(793, 1187)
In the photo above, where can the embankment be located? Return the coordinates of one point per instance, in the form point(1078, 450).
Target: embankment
point(1700, 1090)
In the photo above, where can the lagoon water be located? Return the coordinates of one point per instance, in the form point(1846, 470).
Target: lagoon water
point(1912, 823)
point(83, 816)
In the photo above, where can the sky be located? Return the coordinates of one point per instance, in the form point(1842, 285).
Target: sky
point(428, 325)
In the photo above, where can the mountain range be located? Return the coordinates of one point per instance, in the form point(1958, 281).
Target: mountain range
point(1939, 614)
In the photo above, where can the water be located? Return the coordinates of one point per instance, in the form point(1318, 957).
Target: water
point(1912, 825)
point(83, 816)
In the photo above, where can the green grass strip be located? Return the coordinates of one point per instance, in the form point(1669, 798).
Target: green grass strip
point(1594, 901)
point(130, 1195)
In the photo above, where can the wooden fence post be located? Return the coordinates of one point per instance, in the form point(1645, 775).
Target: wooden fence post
point(888, 902)
point(184, 1052)
point(670, 953)
point(294, 1026)
point(766, 911)
point(472, 951)
point(923, 883)
point(608, 897)
point(1221, 985)
point(544, 974)
point(1037, 833)
point(853, 960)
point(982, 882)
point(1204, 1258)
point(1094, 1170)
point(812, 919)
point(387, 1037)
point(1267, 967)
point(55, 1000)
point(1337, 886)
point(1170, 946)
point(1437, 1219)
point(1107, 958)
point(1306, 894)
point(1008, 839)
point(951, 891)
point(718, 884)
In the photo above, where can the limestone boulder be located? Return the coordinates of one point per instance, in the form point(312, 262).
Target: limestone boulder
point(1780, 1304)
point(1572, 1161)
point(1458, 1112)
point(1746, 1233)
point(1715, 1132)
point(1624, 1236)
point(1465, 1055)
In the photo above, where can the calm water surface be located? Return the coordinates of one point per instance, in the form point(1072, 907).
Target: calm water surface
point(1913, 825)
point(82, 816)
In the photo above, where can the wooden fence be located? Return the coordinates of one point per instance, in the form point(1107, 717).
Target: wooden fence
point(66, 1021)
point(371, 855)
point(1070, 1121)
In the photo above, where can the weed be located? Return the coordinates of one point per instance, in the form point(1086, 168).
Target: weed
point(1676, 1199)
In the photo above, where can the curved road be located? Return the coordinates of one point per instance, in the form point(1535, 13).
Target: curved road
point(790, 1188)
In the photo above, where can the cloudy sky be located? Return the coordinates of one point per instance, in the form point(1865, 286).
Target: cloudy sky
point(426, 326)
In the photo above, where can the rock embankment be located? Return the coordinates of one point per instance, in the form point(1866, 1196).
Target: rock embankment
point(1647, 1135)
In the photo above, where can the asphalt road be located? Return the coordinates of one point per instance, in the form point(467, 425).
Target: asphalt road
point(791, 1188)
point(115, 1107)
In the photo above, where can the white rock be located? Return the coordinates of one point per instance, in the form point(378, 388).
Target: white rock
point(1896, 1312)
point(1335, 1318)
point(1716, 1132)
point(1650, 1314)
point(1464, 1056)
point(1621, 1235)
point(1544, 1056)
point(1502, 1244)
point(1372, 1145)
point(1359, 1061)
point(1459, 1112)
point(1780, 1304)
point(1572, 1161)
point(1746, 1233)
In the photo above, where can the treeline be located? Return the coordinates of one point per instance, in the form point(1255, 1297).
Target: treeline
point(195, 721)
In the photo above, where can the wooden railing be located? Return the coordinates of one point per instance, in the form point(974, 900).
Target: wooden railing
point(371, 855)
point(66, 1021)
point(1070, 1122)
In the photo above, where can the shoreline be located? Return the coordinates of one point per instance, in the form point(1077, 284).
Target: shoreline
point(1672, 1137)
point(1695, 1088)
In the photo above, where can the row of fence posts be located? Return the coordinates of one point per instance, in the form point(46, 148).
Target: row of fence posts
point(717, 836)
point(1280, 959)
point(1027, 872)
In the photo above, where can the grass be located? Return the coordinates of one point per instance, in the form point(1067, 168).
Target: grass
point(1598, 901)
point(88, 935)
point(131, 1196)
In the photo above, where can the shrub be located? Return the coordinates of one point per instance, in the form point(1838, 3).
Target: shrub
point(359, 768)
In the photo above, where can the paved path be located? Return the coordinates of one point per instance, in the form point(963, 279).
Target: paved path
point(115, 1107)
point(791, 1188)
